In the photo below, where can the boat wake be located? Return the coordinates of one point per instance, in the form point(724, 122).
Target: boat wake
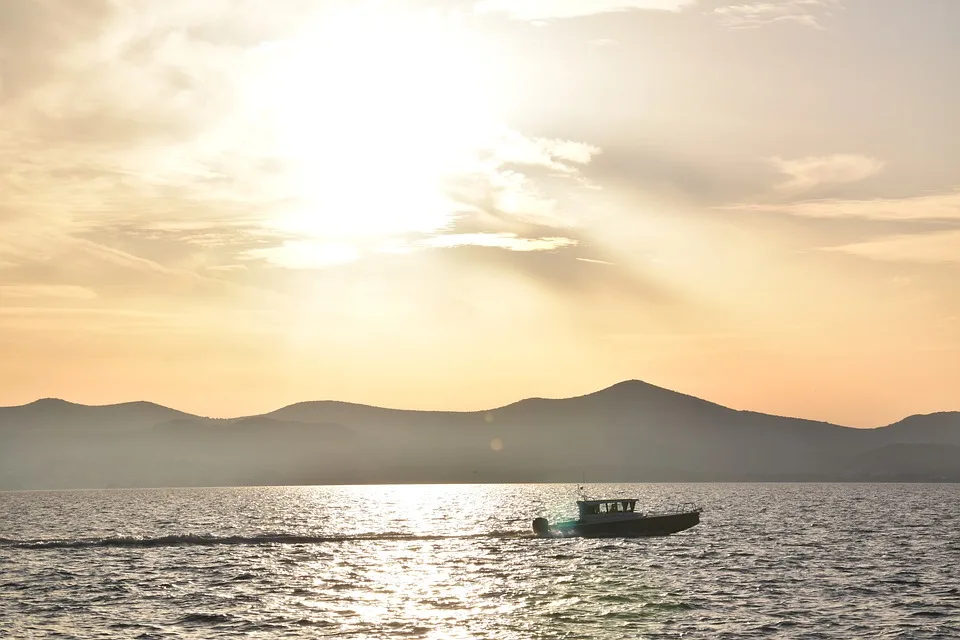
point(206, 540)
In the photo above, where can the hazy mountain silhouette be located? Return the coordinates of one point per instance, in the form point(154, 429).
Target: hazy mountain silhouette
point(53, 413)
point(916, 462)
point(932, 428)
point(632, 431)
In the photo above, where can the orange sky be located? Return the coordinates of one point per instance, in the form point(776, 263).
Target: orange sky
point(226, 208)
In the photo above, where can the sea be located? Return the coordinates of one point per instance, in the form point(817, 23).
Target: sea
point(460, 561)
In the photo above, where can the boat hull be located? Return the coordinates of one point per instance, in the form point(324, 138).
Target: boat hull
point(643, 527)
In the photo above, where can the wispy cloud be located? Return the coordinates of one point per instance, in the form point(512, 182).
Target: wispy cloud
point(35, 291)
point(165, 165)
point(534, 10)
point(807, 173)
point(509, 241)
point(306, 254)
point(931, 248)
point(810, 13)
point(944, 206)
point(595, 261)
point(560, 155)
point(154, 119)
point(318, 254)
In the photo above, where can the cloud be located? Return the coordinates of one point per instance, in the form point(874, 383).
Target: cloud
point(70, 266)
point(101, 107)
point(594, 261)
point(511, 147)
point(810, 13)
point(138, 141)
point(944, 206)
point(942, 247)
point(110, 257)
point(34, 36)
point(34, 291)
point(108, 321)
point(509, 241)
point(524, 180)
point(306, 254)
point(808, 173)
point(536, 10)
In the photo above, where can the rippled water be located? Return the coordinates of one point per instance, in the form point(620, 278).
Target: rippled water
point(767, 560)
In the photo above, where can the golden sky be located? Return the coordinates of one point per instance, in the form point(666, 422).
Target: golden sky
point(228, 206)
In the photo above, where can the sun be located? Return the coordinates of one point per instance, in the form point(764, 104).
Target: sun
point(369, 113)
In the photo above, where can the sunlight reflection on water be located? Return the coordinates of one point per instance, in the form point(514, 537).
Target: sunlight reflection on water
point(459, 561)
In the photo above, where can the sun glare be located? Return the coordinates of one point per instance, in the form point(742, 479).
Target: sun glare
point(368, 113)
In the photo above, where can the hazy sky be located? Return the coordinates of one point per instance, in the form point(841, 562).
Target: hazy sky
point(230, 205)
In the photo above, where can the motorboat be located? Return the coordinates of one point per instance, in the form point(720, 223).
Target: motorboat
point(620, 518)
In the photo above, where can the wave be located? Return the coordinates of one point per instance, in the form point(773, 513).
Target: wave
point(207, 540)
point(204, 618)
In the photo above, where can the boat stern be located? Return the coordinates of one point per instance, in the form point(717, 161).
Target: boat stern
point(541, 527)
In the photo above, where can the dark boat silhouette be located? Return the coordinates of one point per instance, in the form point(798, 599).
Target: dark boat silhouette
point(619, 518)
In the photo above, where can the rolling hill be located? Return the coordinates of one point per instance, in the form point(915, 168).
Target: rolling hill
point(632, 431)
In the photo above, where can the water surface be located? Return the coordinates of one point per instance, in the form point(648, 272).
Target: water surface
point(459, 561)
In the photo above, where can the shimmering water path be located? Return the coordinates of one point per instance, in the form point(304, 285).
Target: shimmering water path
point(767, 561)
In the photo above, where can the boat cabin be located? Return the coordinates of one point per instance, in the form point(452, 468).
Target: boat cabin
point(605, 507)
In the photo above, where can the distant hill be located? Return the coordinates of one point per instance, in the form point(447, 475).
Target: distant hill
point(933, 428)
point(55, 414)
point(632, 431)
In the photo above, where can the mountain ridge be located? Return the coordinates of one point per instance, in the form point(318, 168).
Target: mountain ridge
point(631, 432)
point(631, 384)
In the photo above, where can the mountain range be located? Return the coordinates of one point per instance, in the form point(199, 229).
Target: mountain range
point(630, 432)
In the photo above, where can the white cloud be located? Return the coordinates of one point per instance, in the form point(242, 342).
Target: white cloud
point(509, 241)
point(810, 172)
point(594, 261)
point(160, 118)
point(516, 194)
point(810, 13)
point(571, 151)
point(535, 10)
point(562, 156)
point(933, 207)
point(931, 248)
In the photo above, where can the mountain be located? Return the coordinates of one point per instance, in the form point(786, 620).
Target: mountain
point(632, 431)
point(931, 428)
point(55, 415)
point(907, 463)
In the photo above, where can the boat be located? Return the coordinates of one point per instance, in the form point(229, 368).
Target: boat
point(620, 518)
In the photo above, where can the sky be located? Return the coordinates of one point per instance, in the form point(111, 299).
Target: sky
point(230, 206)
